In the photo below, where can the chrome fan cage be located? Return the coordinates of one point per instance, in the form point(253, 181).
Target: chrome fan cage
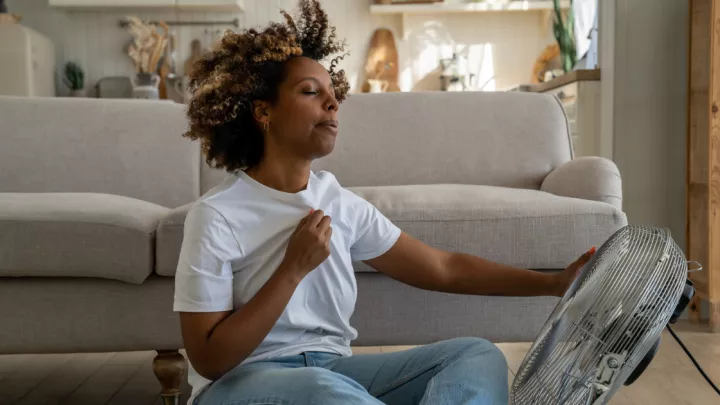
point(608, 320)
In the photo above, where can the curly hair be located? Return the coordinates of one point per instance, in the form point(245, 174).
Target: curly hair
point(247, 66)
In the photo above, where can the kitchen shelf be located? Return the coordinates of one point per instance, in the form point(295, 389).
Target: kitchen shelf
point(482, 7)
point(210, 5)
point(105, 4)
point(182, 5)
point(404, 10)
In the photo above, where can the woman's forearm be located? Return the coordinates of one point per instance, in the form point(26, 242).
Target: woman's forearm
point(238, 335)
point(467, 274)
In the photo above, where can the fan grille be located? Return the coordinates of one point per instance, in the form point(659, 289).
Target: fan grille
point(618, 306)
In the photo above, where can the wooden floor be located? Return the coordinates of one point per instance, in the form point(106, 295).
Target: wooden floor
point(127, 378)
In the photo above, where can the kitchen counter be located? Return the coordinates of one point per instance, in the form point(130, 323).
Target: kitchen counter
point(560, 81)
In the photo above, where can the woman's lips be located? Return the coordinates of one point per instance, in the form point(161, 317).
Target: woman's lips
point(330, 125)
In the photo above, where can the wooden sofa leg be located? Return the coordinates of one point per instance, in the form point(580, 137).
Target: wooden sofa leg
point(170, 367)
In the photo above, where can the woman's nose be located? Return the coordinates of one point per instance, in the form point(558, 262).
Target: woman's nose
point(332, 104)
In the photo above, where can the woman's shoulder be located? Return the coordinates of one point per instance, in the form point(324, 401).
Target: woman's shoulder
point(329, 180)
point(213, 207)
point(324, 176)
point(347, 197)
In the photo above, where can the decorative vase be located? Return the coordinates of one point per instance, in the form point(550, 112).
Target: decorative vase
point(178, 88)
point(145, 86)
point(378, 86)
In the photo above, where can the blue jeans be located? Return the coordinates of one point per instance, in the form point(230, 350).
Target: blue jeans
point(459, 372)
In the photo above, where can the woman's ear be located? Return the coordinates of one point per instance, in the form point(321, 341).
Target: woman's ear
point(261, 112)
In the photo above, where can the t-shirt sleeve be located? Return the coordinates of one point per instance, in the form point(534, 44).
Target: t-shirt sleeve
point(374, 233)
point(204, 277)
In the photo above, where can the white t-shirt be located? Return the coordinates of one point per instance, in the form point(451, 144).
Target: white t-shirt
point(235, 238)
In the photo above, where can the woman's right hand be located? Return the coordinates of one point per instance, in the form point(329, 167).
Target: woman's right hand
point(309, 245)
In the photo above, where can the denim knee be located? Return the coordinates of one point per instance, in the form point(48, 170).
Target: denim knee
point(297, 386)
point(324, 387)
point(471, 349)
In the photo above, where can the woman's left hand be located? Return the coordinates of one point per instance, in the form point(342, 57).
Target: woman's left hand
point(567, 276)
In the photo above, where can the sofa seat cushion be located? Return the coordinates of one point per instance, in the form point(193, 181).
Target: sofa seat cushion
point(518, 227)
point(77, 235)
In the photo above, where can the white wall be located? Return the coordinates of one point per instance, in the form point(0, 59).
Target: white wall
point(509, 42)
point(503, 45)
point(649, 108)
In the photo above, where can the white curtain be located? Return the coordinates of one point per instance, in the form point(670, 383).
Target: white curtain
point(585, 14)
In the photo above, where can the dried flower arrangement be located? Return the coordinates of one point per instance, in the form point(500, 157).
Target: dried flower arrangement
point(147, 46)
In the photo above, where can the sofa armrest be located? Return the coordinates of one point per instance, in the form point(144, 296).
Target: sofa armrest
point(77, 235)
point(588, 178)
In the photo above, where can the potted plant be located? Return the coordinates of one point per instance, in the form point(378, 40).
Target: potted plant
point(564, 32)
point(74, 79)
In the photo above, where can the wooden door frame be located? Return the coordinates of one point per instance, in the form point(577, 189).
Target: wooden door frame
point(703, 155)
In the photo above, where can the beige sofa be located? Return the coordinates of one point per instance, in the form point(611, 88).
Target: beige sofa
point(93, 195)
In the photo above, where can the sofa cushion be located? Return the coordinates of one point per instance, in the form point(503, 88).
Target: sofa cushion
point(505, 139)
point(522, 228)
point(77, 235)
point(517, 227)
point(125, 147)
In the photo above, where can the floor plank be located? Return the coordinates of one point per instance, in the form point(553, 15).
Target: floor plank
point(366, 350)
point(66, 379)
point(514, 354)
point(392, 349)
point(107, 380)
point(10, 363)
point(671, 379)
point(31, 371)
point(127, 378)
point(142, 388)
point(8, 366)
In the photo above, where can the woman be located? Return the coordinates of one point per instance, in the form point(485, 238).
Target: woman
point(265, 285)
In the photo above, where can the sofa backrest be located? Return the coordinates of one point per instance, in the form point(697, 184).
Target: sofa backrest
point(506, 139)
point(132, 148)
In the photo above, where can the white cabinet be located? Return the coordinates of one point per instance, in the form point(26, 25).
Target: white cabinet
point(219, 5)
point(192, 5)
point(112, 3)
point(27, 62)
point(581, 101)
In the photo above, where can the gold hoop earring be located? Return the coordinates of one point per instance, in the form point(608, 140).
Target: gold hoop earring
point(266, 126)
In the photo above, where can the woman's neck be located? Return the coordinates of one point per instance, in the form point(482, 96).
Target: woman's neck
point(288, 177)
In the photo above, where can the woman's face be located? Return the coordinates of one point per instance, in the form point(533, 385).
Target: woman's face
point(303, 121)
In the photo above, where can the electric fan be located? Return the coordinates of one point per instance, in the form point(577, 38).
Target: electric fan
point(606, 329)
